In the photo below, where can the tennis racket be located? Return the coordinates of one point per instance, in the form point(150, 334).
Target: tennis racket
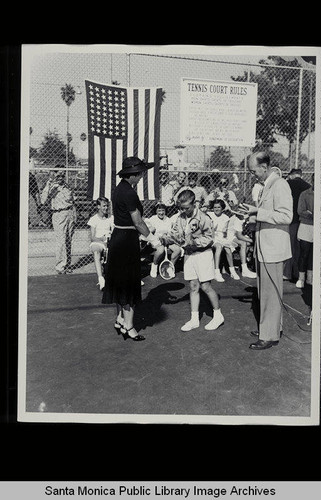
point(166, 268)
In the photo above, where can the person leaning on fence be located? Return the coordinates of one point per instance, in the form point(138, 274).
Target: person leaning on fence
point(199, 191)
point(194, 233)
point(273, 213)
point(179, 182)
point(223, 193)
point(123, 266)
point(167, 192)
point(63, 209)
point(34, 192)
point(101, 227)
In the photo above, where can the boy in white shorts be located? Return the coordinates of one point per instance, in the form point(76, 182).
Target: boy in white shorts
point(101, 227)
point(194, 233)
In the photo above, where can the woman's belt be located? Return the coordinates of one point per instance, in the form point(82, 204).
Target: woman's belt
point(124, 227)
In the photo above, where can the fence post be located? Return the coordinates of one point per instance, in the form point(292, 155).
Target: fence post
point(298, 121)
point(128, 70)
point(310, 118)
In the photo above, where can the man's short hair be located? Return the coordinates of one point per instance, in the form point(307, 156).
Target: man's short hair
point(262, 157)
point(186, 195)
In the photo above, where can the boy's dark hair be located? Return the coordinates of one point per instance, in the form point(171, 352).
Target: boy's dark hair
point(186, 195)
point(100, 200)
point(219, 202)
point(159, 204)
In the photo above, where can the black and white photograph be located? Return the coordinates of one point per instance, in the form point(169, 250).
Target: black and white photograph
point(169, 244)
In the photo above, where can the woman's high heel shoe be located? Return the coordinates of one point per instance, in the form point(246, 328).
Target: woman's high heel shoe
point(119, 327)
point(126, 335)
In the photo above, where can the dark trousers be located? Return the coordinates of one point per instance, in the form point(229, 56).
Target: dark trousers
point(306, 256)
point(291, 266)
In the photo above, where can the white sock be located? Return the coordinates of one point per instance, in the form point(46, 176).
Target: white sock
point(232, 269)
point(217, 311)
point(244, 267)
point(194, 316)
point(154, 266)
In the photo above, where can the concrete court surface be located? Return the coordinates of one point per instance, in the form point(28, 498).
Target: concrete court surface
point(76, 362)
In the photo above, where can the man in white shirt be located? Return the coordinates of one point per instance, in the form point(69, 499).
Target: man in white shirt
point(199, 191)
point(167, 192)
point(62, 203)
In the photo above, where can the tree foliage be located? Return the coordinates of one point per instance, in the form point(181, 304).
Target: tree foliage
point(53, 150)
point(68, 94)
point(221, 159)
point(278, 100)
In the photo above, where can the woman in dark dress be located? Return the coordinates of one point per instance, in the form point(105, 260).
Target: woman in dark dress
point(122, 269)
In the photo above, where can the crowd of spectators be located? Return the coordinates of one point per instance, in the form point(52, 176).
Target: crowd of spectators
point(233, 234)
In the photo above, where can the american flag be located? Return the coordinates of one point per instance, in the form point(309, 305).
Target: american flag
point(122, 122)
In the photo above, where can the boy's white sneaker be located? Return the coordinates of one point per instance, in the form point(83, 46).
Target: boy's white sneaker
point(299, 284)
point(235, 276)
point(248, 274)
point(217, 320)
point(218, 277)
point(190, 325)
point(153, 271)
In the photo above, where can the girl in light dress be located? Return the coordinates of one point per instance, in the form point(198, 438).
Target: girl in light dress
point(221, 239)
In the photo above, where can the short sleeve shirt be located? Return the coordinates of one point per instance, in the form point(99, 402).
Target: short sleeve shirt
point(161, 225)
point(103, 226)
point(125, 200)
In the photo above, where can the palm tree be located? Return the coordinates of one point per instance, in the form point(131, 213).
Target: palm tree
point(68, 94)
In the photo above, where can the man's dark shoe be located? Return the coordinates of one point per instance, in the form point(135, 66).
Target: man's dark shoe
point(263, 344)
point(255, 333)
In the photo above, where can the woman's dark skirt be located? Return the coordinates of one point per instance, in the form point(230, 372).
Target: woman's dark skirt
point(123, 269)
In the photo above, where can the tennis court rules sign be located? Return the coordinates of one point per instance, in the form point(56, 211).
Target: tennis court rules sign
point(215, 113)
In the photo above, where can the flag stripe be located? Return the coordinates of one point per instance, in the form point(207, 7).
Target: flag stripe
point(130, 130)
point(108, 181)
point(146, 138)
point(113, 162)
point(141, 138)
point(136, 122)
point(103, 175)
point(151, 172)
point(91, 157)
point(96, 168)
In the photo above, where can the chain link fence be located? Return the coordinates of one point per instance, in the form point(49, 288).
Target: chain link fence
point(58, 131)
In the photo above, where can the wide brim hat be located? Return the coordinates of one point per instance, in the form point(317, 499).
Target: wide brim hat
point(134, 165)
